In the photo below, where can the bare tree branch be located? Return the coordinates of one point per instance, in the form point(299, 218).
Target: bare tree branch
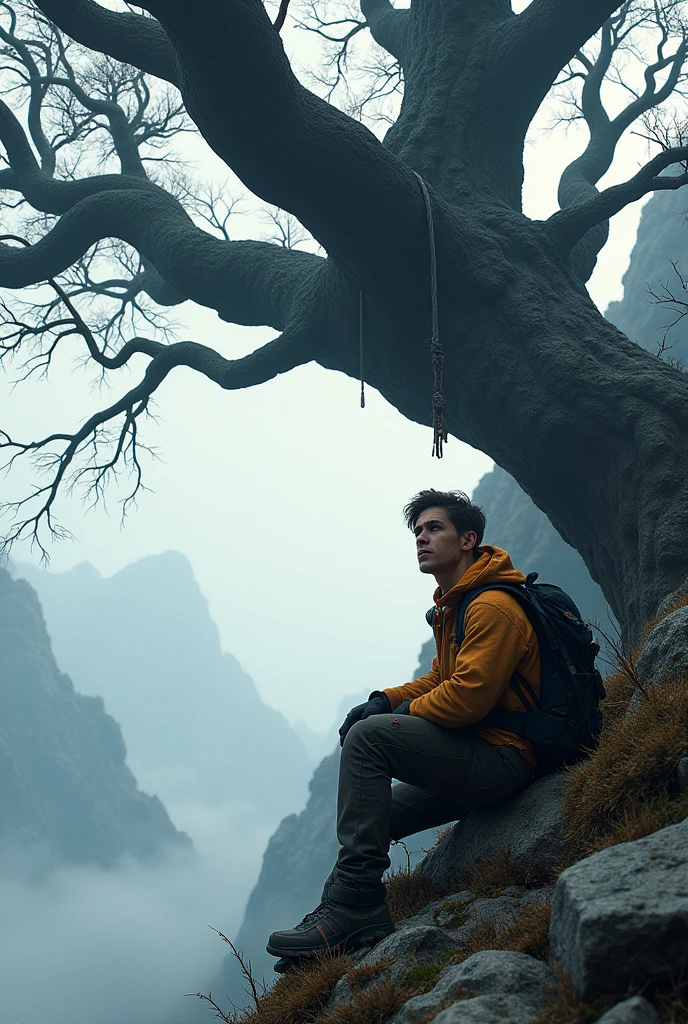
point(127, 37)
point(579, 180)
point(251, 283)
point(290, 147)
point(119, 116)
point(567, 227)
point(377, 74)
point(539, 43)
point(278, 24)
point(109, 441)
point(44, 192)
point(388, 26)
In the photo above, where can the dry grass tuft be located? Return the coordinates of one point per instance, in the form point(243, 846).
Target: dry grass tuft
point(442, 833)
point(529, 933)
point(565, 1006)
point(299, 996)
point(680, 602)
point(619, 687)
point(624, 791)
point(375, 1005)
point(408, 893)
point(377, 999)
point(491, 876)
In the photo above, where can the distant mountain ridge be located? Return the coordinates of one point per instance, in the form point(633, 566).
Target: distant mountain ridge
point(194, 724)
point(65, 788)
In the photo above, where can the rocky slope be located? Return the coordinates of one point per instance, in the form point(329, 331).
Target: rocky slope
point(196, 728)
point(66, 793)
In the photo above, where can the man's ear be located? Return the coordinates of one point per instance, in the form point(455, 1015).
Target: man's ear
point(470, 540)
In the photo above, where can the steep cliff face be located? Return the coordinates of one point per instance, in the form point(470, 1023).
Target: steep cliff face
point(195, 725)
point(64, 784)
point(297, 861)
point(662, 236)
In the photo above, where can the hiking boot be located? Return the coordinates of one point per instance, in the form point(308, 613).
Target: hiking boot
point(332, 926)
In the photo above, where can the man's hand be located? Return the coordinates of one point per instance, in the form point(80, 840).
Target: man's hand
point(403, 709)
point(377, 704)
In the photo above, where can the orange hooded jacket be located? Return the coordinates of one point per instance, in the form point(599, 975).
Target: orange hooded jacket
point(465, 683)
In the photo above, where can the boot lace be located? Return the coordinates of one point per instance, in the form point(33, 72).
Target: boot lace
point(315, 914)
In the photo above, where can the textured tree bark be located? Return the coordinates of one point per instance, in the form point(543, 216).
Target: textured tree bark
point(592, 427)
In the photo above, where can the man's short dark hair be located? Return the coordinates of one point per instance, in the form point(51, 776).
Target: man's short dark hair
point(461, 511)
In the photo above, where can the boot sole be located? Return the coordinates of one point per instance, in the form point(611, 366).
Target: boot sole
point(357, 940)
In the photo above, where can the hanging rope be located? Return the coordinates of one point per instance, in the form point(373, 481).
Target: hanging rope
point(436, 351)
point(361, 325)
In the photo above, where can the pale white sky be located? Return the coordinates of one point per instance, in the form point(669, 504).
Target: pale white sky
point(287, 499)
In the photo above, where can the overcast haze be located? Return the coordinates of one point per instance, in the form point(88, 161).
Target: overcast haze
point(287, 498)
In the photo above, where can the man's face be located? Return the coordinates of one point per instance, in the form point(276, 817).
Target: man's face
point(438, 546)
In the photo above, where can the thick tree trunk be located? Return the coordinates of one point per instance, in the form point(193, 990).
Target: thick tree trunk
point(592, 427)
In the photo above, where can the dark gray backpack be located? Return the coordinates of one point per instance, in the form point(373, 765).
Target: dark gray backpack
point(564, 722)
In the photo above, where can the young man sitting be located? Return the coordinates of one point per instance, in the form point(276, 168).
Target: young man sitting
point(428, 733)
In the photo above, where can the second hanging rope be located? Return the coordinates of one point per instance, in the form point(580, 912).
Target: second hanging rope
point(439, 430)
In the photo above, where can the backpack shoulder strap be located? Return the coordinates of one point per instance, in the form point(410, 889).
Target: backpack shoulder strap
point(518, 682)
point(459, 626)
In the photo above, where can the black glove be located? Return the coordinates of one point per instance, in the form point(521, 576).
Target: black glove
point(404, 709)
point(377, 704)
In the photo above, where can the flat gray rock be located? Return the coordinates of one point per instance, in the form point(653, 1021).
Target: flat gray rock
point(489, 1010)
point(406, 948)
point(460, 913)
point(490, 986)
point(530, 827)
point(665, 652)
point(620, 917)
point(631, 1011)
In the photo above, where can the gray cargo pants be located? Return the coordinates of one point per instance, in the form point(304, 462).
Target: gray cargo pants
point(442, 773)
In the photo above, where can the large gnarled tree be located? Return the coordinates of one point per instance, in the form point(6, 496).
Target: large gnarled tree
point(590, 425)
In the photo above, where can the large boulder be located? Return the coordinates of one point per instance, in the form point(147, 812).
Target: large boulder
point(530, 827)
point(631, 1011)
point(490, 986)
point(620, 917)
point(665, 651)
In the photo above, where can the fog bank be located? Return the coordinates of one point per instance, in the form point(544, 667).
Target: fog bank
point(85, 945)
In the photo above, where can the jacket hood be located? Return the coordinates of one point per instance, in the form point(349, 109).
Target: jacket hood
point(493, 566)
